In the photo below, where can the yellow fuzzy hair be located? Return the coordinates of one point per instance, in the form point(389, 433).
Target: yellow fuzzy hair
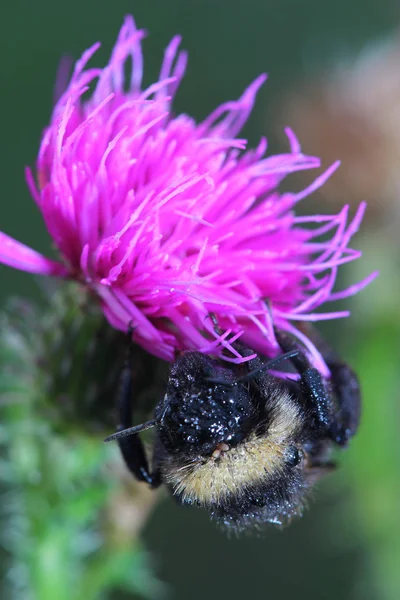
point(208, 481)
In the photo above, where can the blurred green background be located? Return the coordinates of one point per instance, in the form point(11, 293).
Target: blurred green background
point(348, 544)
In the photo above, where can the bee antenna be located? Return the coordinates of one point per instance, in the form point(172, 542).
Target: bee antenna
point(220, 381)
point(268, 365)
point(131, 431)
point(213, 317)
point(248, 376)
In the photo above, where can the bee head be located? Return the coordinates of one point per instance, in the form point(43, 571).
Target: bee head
point(203, 407)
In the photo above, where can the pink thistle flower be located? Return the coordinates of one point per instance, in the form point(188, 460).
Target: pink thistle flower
point(167, 220)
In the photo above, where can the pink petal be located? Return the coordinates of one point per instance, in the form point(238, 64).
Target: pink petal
point(17, 255)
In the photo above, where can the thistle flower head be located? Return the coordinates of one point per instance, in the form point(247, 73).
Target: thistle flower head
point(167, 220)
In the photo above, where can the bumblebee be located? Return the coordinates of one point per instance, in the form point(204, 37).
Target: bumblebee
point(238, 441)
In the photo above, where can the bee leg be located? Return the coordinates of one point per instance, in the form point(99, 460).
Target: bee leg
point(344, 383)
point(131, 447)
point(316, 472)
point(330, 413)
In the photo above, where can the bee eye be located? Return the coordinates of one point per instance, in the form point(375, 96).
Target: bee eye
point(293, 456)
